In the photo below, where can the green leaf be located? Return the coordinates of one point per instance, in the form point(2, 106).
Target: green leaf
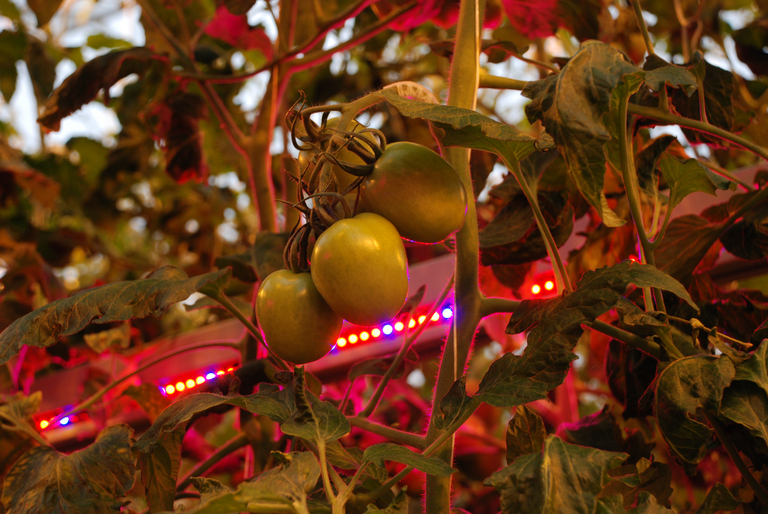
point(572, 105)
point(101, 341)
point(683, 388)
point(98, 41)
point(647, 164)
point(119, 301)
point(660, 73)
point(14, 45)
point(89, 481)
point(513, 380)
point(689, 176)
point(718, 498)
point(399, 505)
point(41, 67)
point(467, 128)
point(746, 404)
point(643, 477)
point(283, 488)
point(9, 10)
point(525, 433)
point(561, 478)
point(263, 258)
point(314, 420)
point(149, 398)
point(378, 453)
point(507, 239)
point(687, 241)
point(454, 405)
point(755, 368)
point(160, 469)
point(719, 87)
point(270, 401)
point(85, 83)
point(17, 433)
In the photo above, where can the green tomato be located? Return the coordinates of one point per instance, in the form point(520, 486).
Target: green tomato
point(418, 191)
point(360, 268)
point(298, 324)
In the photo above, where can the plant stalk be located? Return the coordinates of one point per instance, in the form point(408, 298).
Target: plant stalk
point(393, 434)
point(643, 27)
point(464, 79)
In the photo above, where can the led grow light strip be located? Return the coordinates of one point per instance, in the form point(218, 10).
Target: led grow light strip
point(391, 328)
point(169, 389)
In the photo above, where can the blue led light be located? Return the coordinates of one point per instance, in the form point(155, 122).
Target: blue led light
point(447, 313)
point(210, 376)
point(387, 329)
point(64, 421)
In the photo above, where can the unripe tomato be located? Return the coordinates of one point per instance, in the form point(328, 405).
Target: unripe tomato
point(360, 268)
point(418, 191)
point(298, 324)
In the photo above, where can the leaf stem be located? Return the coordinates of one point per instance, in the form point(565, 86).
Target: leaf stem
point(202, 468)
point(407, 342)
point(324, 471)
point(107, 388)
point(643, 27)
point(657, 114)
point(393, 434)
point(760, 492)
point(561, 273)
point(227, 304)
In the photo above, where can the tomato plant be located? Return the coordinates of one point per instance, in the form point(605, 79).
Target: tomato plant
point(210, 192)
point(298, 325)
point(415, 189)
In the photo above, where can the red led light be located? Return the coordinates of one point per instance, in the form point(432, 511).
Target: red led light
point(549, 285)
point(180, 386)
point(190, 383)
point(44, 424)
point(364, 336)
point(219, 373)
point(352, 338)
point(435, 317)
point(422, 319)
point(375, 332)
point(341, 342)
point(536, 289)
point(412, 323)
point(169, 389)
point(229, 369)
point(399, 326)
point(200, 380)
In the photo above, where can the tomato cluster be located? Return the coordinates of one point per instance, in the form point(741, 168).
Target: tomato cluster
point(359, 270)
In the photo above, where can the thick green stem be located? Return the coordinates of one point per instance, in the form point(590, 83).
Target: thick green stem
point(390, 433)
point(462, 92)
point(758, 489)
point(201, 469)
point(324, 472)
